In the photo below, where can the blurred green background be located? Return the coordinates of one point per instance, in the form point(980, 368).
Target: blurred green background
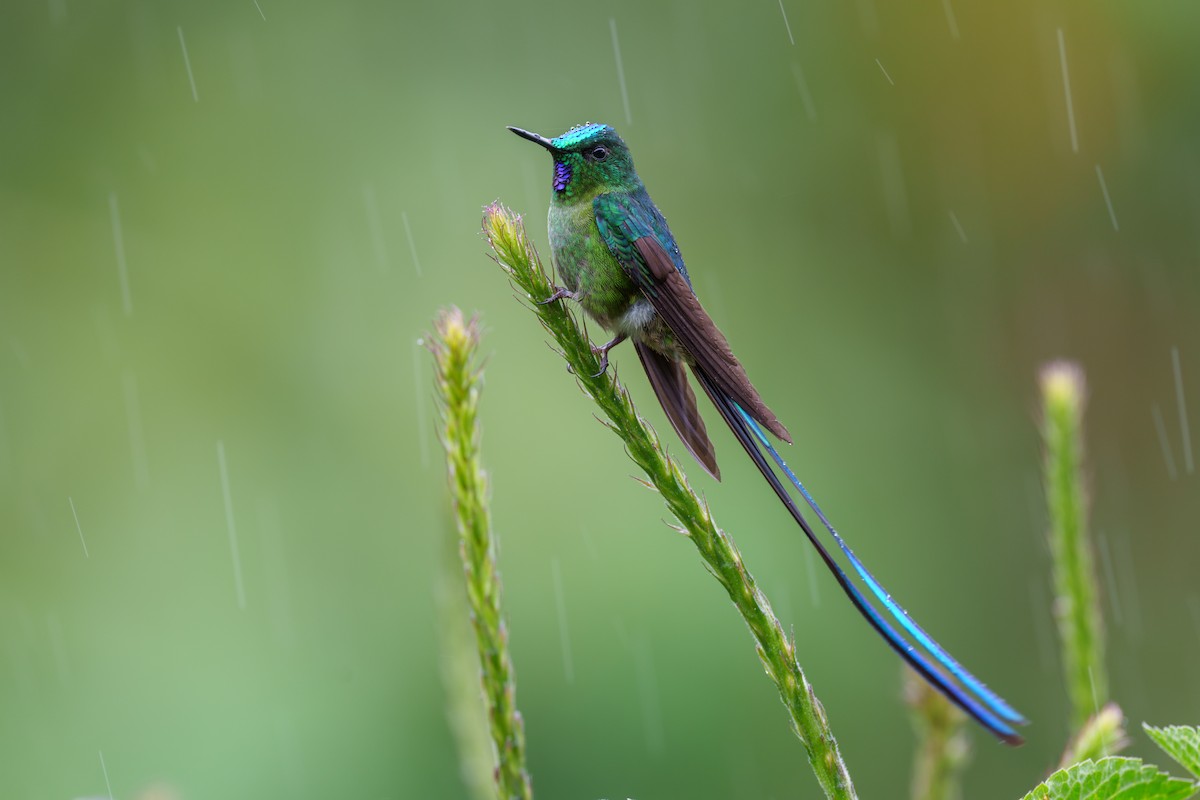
point(887, 218)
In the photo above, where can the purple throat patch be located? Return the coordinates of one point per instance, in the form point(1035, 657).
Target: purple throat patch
point(562, 176)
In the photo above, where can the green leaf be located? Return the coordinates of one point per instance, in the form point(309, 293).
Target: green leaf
point(1180, 742)
point(1112, 779)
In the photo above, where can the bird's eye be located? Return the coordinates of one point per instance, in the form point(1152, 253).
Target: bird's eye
point(599, 153)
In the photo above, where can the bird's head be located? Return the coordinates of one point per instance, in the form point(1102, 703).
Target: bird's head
point(587, 158)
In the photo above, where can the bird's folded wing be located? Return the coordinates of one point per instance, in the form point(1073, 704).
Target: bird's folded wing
point(629, 231)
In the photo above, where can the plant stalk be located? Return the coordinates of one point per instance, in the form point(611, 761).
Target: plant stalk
point(455, 345)
point(1076, 605)
point(516, 255)
point(943, 750)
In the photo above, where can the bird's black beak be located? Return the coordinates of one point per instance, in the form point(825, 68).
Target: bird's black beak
point(533, 137)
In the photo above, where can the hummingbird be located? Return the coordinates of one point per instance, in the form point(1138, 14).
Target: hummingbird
point(618, 260)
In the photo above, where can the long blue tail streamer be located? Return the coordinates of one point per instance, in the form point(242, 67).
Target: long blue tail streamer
point(989, 709)
point(994, 701)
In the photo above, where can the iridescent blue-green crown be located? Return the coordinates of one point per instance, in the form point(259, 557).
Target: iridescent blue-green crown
point(580, 134)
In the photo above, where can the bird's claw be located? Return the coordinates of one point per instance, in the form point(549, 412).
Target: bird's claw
point(560, 293)
point(602, 353)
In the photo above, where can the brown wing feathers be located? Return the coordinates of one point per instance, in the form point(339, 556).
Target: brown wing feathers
point(675, 302)
point(670, 384)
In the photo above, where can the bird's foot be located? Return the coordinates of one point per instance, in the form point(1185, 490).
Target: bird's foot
point(560, 293)
point(602, 352)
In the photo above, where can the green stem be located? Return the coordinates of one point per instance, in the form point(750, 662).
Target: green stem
point(943, 749)
point(507, 237)
point(460, 680)
point(1077, 606)
point(455, 345)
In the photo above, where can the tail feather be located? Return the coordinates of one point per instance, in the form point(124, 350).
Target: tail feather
point(908, 623)
point(993, 713)
point(670, 384)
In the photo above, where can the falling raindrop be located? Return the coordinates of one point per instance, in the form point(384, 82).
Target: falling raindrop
point(950, 19)
point(229, 524)
point(188, 64)
point(958, 227)
point(1110, 579)
point(564, 634)
point(78, 527)
point(412, 244)
point(1112, 215)
point(786, 24)
point(885, 72)
point(1066, 76)
point(1161, 429)
point(1185, 433)
point(805, 95)
point(612, 26)
point(104, 769)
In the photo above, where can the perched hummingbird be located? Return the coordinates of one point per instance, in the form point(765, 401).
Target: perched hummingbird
point(617, 258)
